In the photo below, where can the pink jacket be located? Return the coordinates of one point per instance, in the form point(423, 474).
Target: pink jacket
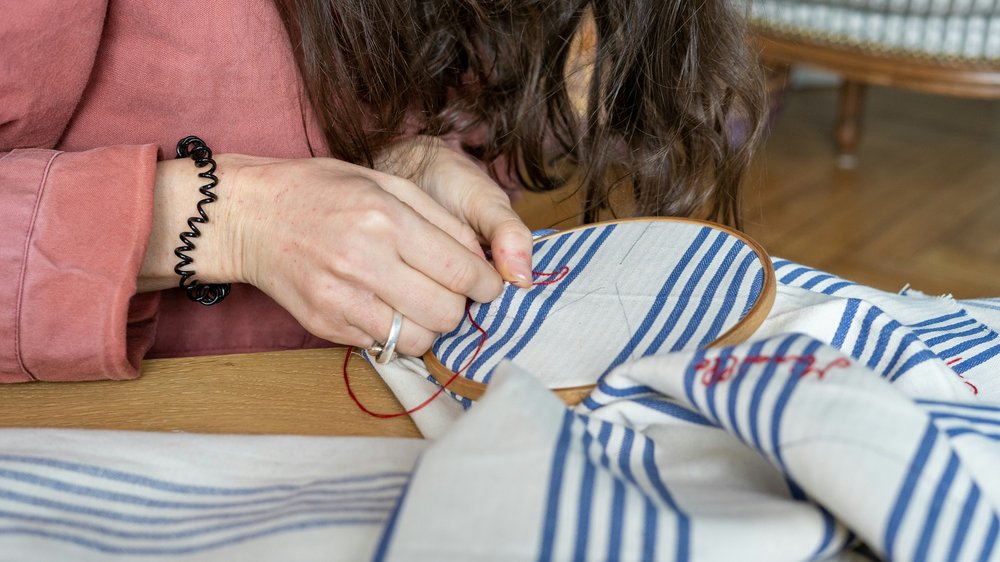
point(92, 93)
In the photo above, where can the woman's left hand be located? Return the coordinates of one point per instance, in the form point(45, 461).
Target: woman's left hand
point(467, 192)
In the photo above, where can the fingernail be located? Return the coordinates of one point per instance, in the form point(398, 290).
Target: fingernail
point(520, 268)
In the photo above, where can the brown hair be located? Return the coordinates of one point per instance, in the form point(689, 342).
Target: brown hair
point(671, 108)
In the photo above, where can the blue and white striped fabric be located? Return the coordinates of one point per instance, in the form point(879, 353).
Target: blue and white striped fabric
point(854, 423)
point(100, 495)
point(632, 289)
point(782, 459)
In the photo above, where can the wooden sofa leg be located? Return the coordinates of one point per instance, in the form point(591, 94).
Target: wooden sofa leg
point(848, 130)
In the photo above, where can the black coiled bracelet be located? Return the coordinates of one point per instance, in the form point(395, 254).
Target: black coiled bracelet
point(204, 293)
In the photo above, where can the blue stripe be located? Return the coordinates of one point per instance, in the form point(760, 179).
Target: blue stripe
point(373, 512)
point(931, 330)
point(755, 290)
point(781, 403)
point(168, 486)
point(758, 391)
point(833, 288)
point(734, 391)
point(960, 431)
point(390, 526)
point(161, 520)
point(906, 492)
point(991, 541)
point(980, 304)
point(850, 310)
point(901, 348)
point(955, 326)
point(883, 343)
point(112, 549)
point(586, 500)
point(145, 501)
point(661, 298)
point(617, 500)
point(967, 345)
point(934, 510)
point(650, 518)
point(795, 274)
point(685, 296)
point(555, 488)
point(707, 298)
point(673, 410)
point(866, 326)
point(966, 405)
point(691, 376)
point(710, 400)
point(795, 375)
point(730, 299)
point(977, 359)
point(956, 415)
point(962, 527)
point(914, 360)
point(938, 320)
point(683, 523)
point(816, 280)
point(606, 388)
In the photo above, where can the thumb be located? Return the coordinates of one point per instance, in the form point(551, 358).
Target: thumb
point(510, 240)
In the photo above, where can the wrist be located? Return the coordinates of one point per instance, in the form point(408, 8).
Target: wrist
point(176, 197)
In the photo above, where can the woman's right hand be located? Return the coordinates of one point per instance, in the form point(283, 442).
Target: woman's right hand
point(337, 245)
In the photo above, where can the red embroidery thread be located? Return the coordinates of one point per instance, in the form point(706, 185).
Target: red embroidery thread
point(553, 277)
point(714, 370)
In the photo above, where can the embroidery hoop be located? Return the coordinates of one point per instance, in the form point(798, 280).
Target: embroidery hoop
point(737, 333)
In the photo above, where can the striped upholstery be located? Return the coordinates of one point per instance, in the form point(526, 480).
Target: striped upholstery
point(652, 287)
point(964, 29)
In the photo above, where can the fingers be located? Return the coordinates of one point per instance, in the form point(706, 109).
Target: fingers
point(462, 188)
point(376, 321)
point(448, 263)
point(509, 239)
point(426, 206)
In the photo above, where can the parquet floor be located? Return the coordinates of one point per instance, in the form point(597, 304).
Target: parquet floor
point(922, 207)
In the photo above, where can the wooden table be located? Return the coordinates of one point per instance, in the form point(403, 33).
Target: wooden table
point(287, 392)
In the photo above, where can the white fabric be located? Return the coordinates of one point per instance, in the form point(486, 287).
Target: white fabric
point(852, 416)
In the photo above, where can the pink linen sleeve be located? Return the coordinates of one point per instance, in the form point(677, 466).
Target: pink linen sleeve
point(73, 226)
point(73, 233)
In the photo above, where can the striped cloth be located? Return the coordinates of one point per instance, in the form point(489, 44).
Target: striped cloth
point(855, 424)
point(652, 283)
point(963, 29)
point(105, 495)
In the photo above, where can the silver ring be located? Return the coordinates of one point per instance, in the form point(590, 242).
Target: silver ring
point(387, 352)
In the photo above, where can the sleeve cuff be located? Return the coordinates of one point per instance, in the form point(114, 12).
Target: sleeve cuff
point(76, 234)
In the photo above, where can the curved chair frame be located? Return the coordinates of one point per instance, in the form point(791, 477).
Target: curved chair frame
point(860, 66)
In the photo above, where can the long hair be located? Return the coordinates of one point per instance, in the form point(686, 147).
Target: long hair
point(670, 107)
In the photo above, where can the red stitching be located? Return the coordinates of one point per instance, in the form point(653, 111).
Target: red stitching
point(554, 277)
point(713, 370)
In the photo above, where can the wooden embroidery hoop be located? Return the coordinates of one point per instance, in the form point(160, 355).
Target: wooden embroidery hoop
point(739, 332)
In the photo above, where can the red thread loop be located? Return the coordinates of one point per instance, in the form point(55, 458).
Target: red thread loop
point(553, 277)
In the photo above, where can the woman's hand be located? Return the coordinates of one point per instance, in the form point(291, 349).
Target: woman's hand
point(467, 192)
point(340, 246)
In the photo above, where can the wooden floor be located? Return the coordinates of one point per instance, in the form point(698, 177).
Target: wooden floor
point(922, 207)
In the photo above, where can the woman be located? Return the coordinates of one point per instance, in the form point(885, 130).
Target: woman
point(338, 129)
